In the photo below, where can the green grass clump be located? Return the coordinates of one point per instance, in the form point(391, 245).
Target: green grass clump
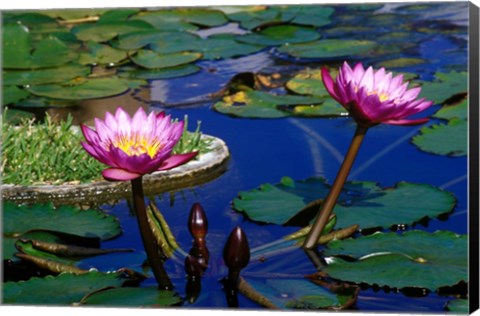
point(50, 152)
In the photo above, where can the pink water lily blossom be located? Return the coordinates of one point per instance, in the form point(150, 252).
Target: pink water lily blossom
point(374, 97)
point(134, 146)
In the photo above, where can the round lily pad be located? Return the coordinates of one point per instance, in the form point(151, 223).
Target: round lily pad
point(362, 203)
point(281, 34)
point(117, 15)
point(84, 89)
point(259, 104)
point(44, 76)
point(458, 110)
point(329, 49)
point(133, 297)
point(64, 289)
point(222, 46)
point(412, 259)
point(159, 40)
point(152, 60)
point(162, 73)
point(444, 86)
point(449, 139)
point(101, 54)
point(101, 32)
point(20, 52)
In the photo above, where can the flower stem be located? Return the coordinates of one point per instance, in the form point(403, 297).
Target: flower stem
point(149, 242)
point(332, 197)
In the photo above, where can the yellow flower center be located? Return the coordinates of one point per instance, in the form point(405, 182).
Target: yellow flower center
point(136, 145)
point(382, 96)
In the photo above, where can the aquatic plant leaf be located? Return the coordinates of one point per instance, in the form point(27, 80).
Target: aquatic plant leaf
point(458, 110)
point(83, 89)
point(444, 86)
point(73, 14)
point(14, 116)
point(459, 306)
point(117, 15)
point(412, 259)
point(162, 73)
point(223, 46)
point(101, 32)
point(43, 76)
point(132, 297)
point(20, 52)
point(279, 35)
point(37, 102)
point(329, 49)
point(362, 203)
point(401, 62)
point(101, 54)
point(160, 41)
point(259, 104)
point(449, 139)
point(64, 289)
point(196, 16)
point(13, 94)
point(18, 220)
point(152, 60)
point(296, 293)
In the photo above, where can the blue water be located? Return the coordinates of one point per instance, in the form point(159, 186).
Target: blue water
point(265, 150)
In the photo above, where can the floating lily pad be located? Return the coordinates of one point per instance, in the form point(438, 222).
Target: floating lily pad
point(163, 73)
point(329, 49)
point(101, 54)
point(459, 111)
point(445, 86)
point(133, 297)
point(101, 32)
point(84, 89)
point(401, 62)
point(298, 293)
point(13, 94)
point(259, 104)
point(43, 76)
point(73, 14)
point(281, 34)
point(117, 15)
point(449, 139)
point(222, 46)
point(152, 60)
point(37, 102)
point(58, 290)
point(412, 259)
point(19, 51)
point(459, 306)
point(159, 40)
point(362, 203)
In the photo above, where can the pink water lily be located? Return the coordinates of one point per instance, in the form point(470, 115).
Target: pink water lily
point(134, 146)
point(374, 97)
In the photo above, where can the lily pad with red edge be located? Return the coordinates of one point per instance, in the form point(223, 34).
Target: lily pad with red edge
point(411, 259)
point(58, 290)
point(449, 139)
point(363, 203)
point(132, 297)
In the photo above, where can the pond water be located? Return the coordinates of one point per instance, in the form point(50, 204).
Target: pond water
point(265, 150)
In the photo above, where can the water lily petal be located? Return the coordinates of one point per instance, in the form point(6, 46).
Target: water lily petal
point(117, 174)
point(407, 122)
point(329, 84)
point(176, 160)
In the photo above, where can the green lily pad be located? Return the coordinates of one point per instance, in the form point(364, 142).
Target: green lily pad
point(449, 139)
point(223, 46)
point(152, 60)
point(37, 102)
point(159, 40)
point(329, 49)
point(13, 94)
point(259, 104)
point(163, 73)
point(27, 18)
point(298, 293)
point(445, 86)
point(101, 32)
point(101, 54)
point(133, 297)
point(20, 52)
point(84, 89)
point(459, 306)
point(117, 15)
point(14, 116)
point(43, 76)
point(412, 259)
point(401, 62)
point(73, 14)
point(58, 290)
point(362, 203)
point(280, 34)
point(459, 111)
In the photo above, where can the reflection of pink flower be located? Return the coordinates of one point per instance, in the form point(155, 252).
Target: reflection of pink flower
point(134, 146)
point(374, 97)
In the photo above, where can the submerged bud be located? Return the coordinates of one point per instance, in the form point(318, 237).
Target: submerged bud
point(236, 252)
point(197, 222)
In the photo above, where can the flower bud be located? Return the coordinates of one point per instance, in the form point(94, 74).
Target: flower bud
point(236, 252)
point(197, 222)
